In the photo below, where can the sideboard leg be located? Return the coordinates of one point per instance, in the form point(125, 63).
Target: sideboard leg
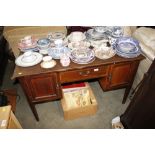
point(127, 90)
point(33, 108)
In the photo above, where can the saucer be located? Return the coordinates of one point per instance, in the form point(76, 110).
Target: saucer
point(49, 64)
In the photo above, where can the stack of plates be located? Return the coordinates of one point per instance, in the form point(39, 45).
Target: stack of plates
point(82, 56)
point(28, 59)
point(92, 34)
point(127, 47)
point(27, 47)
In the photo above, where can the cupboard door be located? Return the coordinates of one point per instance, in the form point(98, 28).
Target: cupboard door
point(42, 87)
point(120, 75)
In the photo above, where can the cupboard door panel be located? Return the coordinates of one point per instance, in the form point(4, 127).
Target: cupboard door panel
point(120, 74)
point(42, 87)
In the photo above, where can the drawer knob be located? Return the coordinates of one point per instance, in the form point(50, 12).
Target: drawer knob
point(84, 73)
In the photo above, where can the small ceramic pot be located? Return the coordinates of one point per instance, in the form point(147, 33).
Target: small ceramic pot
point(64, 60)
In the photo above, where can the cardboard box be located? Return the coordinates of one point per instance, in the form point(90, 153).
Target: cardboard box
point(71, 112)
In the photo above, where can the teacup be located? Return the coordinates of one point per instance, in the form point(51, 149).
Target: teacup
point(28, 57)
point(48, 62)
point(27, 40)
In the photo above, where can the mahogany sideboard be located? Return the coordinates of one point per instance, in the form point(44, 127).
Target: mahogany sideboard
point(41, 85)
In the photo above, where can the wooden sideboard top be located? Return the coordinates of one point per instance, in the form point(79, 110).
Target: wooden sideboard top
point(26, 71)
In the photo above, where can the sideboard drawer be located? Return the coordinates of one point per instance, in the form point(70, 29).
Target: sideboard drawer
point(83, 74)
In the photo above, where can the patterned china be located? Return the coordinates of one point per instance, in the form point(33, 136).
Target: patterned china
point(43, 43)
point(56, 35)
point(82, 56)
point(104, 53)
point(81, 44)
point(127, 47)
point(76, 36)
point(56, 52)
point(64, 60)
point(117, 31)
point(91, 34)
point(100, 29)
point(25, 45)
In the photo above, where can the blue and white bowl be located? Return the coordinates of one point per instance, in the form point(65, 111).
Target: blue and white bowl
point(43, 43)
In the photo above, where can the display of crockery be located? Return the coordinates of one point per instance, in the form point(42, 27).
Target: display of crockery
point(76, 36)
point(82, 56)
point(48, 62)
point(80, 44)
point(104, 52)
point(28, 59)
point(56, 52)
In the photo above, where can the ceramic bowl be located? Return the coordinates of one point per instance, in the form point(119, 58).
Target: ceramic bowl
point(76, 36)
point(44, 43)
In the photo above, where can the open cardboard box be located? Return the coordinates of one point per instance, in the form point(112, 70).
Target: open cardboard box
point(79, 111)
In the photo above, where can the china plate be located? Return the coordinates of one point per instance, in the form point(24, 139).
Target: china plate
point(19, 60)
point(127, 45)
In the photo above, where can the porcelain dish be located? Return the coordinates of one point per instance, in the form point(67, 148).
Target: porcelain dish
point(43, 43)
point(57, 52)
point(76, 36)
point(24, 47)
point(104, 54)
point(81, 44)
point(127, 47)
point(56, 35)
point(82, 56)
point(100, 29)
point(48, 62)
point(35, 59)
point(91, 34)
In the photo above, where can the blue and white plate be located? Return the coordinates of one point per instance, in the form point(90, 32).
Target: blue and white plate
point(127, 47)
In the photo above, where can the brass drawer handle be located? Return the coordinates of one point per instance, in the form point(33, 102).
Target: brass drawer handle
point(84, 73)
